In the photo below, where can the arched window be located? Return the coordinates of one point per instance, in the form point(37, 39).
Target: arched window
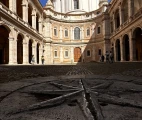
point(76, 33)
point(76, 4)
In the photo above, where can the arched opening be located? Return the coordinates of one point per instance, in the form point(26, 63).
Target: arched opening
point(137, 5)
point(30, 15)
point(19, 49)
point(19, 8)
point(37, 52)
point(77, 33)
point(137, 35)
point(125, 10)
point(4, 45)
point(30, 50)
point(37, 22)
point(126, 48)
point(5, 2)
point(117, 19)
point(77, 54)
point(118, 54)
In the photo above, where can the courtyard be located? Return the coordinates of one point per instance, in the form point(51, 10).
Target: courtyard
point(85, 91)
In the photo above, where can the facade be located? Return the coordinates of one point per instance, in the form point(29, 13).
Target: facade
point(70, 31)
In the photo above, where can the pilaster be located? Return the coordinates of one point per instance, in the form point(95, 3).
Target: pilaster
point(122, 49)
point(34, 18)
point(25, 51)
point(61, 55)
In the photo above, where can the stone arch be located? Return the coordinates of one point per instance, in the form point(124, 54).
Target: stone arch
point(117, 48)
point(4, 44)
point(117, 18)
point(77, 54)
point(126, 47)
point(137, 39)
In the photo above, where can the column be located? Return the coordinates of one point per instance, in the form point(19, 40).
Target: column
point(70, 5)
point(25, 51)
point(12, 5)
point(72, 55)
point(122, 50)
point(113, 22)
point(40, 26)
point(93, 53)
point(130, 8)
point(12, 50)
point(34, 51)
point(40, 54)
point(131, 48)
point(61, 55)
point(80, 4)
point(63, 6)
point(25, 11)
point(115, 51)
point(120, 14)
point(82, 53)
point(34, 18)
point(61, 34)
point(82, 34)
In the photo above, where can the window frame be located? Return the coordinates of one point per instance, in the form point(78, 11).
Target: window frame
point(56, 53)
point(55, 31)
point(99, 30)
point(76, 31)
point(65, 53)
point(89, 53)
point(87, 32)
point(66, 30)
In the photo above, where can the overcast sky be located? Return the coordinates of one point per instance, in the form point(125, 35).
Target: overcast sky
point(43, 2)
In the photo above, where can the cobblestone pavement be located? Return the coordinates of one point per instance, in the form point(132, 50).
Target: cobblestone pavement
point(89, 91)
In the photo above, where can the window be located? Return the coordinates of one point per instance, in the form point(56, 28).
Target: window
point(76, 33)
point(88, 53)
point(55, 53)
point(88, 32)
point(99, 52)
point(66, 53)
point(99, 30)
point(55, 31)
point(66, 32)
point(76, 4)
point(111, 27)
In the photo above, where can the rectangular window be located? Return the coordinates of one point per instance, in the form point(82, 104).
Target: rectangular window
point(55, 54)
point(66, 53)
point(88, 32)
point(99, 52)
point(55, 31)
point(66, 33)
point(88, 53)
point(99, 30)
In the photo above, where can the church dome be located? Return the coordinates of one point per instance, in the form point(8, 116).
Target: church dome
point(67, 6)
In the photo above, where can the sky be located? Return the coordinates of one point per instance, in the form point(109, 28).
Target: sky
point(43, 2)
